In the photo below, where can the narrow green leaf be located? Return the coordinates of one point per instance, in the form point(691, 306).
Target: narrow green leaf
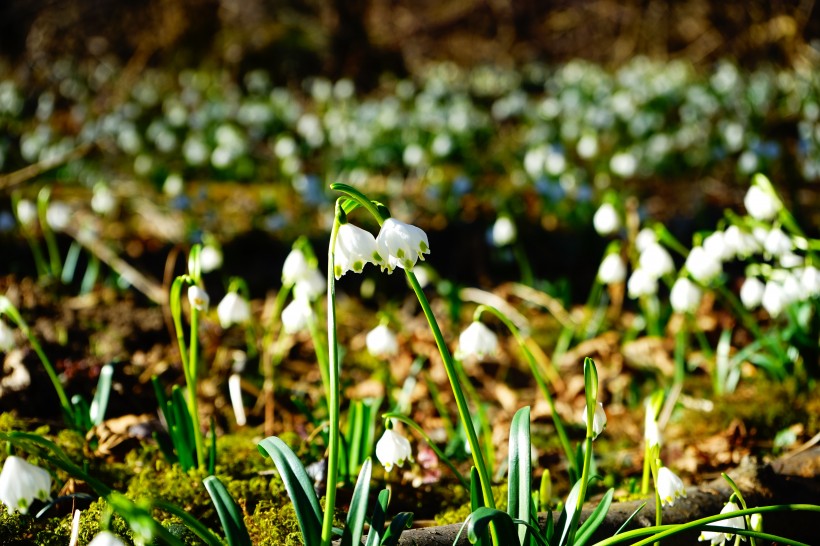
point(191, 522)
point(100, 402)
point(519, 483)
point(569, 510)
point(299, 488)
point(635, 513)
point(352, 535)
point(229, 513)
point(402, 521)
point(595, 519)
point(479, 522)
point(374, 537)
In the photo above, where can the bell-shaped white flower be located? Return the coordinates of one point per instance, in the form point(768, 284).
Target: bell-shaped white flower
point(503, 232)
point(296, 314)
point(21, 482)
point(641, 283)
point(106, 538)
point(233, 309)
point(401, 244)
point(739, 243)
point(702, 265)
point(760, 204)
point(718, 537)
point(685, 296)
point(210, 258)
point(393, 449)
point(6, 337)
point(645, 238)
point(777, 243)
point(774, 298)
point(382, 342)
point(26, 212)
point(751, 293)
point(355, 247)
point(670, 486)
point(477, 341)
point(598, 420)
point(198, 298)
point(716, 245)
point(606, 220)
point(651, 430)
point(810, 281)
point(656, 261)
point(612, 269)
point(58, 215)
point(312, 285)
point(295, 268)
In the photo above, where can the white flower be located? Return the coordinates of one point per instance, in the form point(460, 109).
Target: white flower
point(295, 268)
point(503, 232)
point(606, 220)
point(670, 486)
point(235, 394)
point(751, 293)
point(645, 238)
point(58, 216)
point(401, 244)
point(702, 265)
point(26, 212)
point(641, 283)
point(774, 298)
point(716, 245)
point(737, 522)
point(21, 482)
point(656, 261)
point(103, 201)
point(478, 341)
point(233, 309)
point(810, 281)
point(106, 538)
point(6, 338)
point(651, 431)
point(210, 258)
point(381, 342)
point(354, 248)
point(598, 420)
point(198, 298)
point(777, 243)
point(393, 449)
point(295, 315)
point(760, 204)
point(311, 286)
point(612, 269)
point(685, 296)
point(739, 243)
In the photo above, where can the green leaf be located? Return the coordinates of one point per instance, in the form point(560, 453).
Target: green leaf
point(229, 514)
point(374, 537)
point(191, 522)
point(402, 521)
point(480, 520)
point(595, 519)
point(635, 513)
point(569, 510)
point(299, 488)
point(477, 500)
point(352, 535)
point(100, 401)
point(519, 483)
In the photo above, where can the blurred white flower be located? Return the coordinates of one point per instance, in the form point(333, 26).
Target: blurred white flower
point(198, 298)
point(233, 309)
point(606, 220)
point(623, 164)
point(401, 244)
point(503, 232)
point(106, 538)
point(777, 243)
point(717, 537)
point(311, 286)
point(58, 215)
point(810, 281)
point(26, 212)
point(21, 482)
point(598, 420)
point(103, 201)
point(751, 293)
point(774, 298)
point(702, 265)
point(641, 283)
point(295, 267)
point(381, 342)
point(670, 486)
point(477, 340)
point(685, 296)
point(235, 394)
point(210, 258)
point(295, 315)
point(760, 204)
point(355, 247)
point(739, 242)
point(612, 269)
point(656, 261)
point(6, 338)
point(651, 431)
point(716, 245)
point(393, 449)
point(790, 260)
point(645, 238)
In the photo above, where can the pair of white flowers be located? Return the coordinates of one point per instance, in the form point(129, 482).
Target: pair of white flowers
point(308, 284)
point(233, 309)
point(397, 245)
point(654, 261)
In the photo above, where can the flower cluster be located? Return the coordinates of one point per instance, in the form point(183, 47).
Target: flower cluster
point(397, 245)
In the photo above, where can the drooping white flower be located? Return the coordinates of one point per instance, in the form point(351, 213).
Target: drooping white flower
point(355, 247)
point(645, 238)
point(393, 449)
point(198, 298)
point(58, 215)
point(106, 538)
point(790, 260)
point(777, 243)
point(311, 286)
point(751, 293)
point(503, 232)
point(26, 212)
point(295, 268)
point(716, 245)
point(477, 340)
point(6, 337)
point(810, 281)
point(606, 220)
point(210, 258)
point(685, 296)
point(641, 283)
point(651, 431)
point(612, 269)
point(295, 315)
point(21, 482)
point(656, 261)
point(233, 309)
point(401, 244)
point(717, 537)
point(760, 204)
point(774, 298)
point(598, 420)
point(670, 486)
point(381, 342)
point(702, 265)
point(740, 243)
point(103, 201)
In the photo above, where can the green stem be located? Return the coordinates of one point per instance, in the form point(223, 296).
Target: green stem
point(191, 379)
point(442, 457)
point(576, 516)
point(321, 354)
point(539, 379)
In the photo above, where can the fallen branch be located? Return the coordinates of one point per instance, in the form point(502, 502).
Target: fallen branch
point(34, 170)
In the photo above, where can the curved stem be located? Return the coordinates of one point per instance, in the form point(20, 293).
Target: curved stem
point(191, 378)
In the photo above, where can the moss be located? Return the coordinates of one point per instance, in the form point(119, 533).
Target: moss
point(273, 524)
point(460, 513)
